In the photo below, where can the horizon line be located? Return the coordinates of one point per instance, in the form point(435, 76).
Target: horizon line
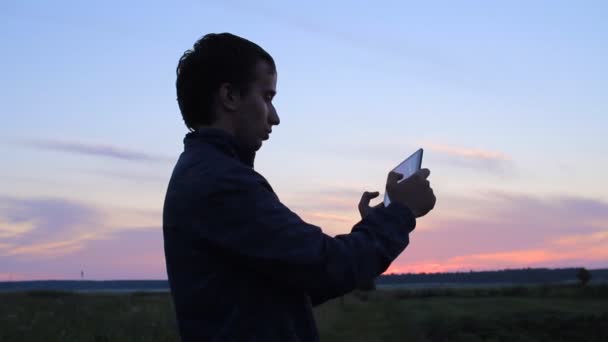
point(605, 268)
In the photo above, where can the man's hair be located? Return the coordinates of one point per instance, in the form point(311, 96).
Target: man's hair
point(214, 59)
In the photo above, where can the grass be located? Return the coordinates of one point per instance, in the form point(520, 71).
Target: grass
point(545, 313)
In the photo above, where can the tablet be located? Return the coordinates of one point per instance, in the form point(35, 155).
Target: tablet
point(407, 168)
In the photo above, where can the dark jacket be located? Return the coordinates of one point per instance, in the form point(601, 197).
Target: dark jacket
point(242, 266)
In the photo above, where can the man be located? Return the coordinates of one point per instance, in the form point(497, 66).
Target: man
point(241, 265)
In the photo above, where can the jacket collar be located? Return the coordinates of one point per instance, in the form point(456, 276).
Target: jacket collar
point(222, 141)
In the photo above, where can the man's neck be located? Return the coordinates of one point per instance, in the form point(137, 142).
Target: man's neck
point(222, 125)
point(245, 155)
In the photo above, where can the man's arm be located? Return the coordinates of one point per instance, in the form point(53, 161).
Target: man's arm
point(245, 218)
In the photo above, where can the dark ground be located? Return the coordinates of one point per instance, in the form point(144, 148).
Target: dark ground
point(539, 313)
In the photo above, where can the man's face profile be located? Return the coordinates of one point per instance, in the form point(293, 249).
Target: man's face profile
point(256, 114)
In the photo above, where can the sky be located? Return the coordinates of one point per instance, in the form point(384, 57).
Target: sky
point(507, 99)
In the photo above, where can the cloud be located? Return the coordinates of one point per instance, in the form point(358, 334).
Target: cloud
point(46, 226)
point(395, 46)
point(486, 230)
point(329, 217)
point(390, 152)
point(551, 256)
point(468, 153)
point(319, 202)
point(329, 198)
point(48, 249)
point(127, 254)
point(13, 229)
point(472, 158)
point(505, 230)
point(137, 177)
point(597, 238)
point(527, 257)
point(501, 221)
point(332, 199)
point(334, 209)
point(51, 227)
point(97, 150)
point(568, 213)
point(50, 215)
point(574, 255)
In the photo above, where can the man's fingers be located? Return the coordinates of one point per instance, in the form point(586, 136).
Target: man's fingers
point(368, 196)
point(364, 202)
point(393, 177)
point(371, 195)
point(423, 173)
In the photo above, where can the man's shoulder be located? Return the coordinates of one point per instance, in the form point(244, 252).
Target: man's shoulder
point(211, 170)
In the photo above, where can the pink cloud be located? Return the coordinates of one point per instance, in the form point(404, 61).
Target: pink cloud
point(500, 230)
point(14, 229)
point(27, 275)
point(96, 150)
point(42, 228)
point(47, 249)
point(600, 237)
point(494, 162)
point(340, 200)
point(479, 231)
point(467, 153)
point(552, 256)
point(485, 230)
point(132, 254)
point(329, 217)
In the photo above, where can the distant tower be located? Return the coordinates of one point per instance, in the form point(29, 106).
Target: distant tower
point(81, 275)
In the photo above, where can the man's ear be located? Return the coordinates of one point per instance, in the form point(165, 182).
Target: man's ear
point(229, 96)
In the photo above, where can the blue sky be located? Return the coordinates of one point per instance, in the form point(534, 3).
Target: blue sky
point(507, 98)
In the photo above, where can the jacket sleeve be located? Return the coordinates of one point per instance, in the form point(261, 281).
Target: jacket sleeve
point(243, 217)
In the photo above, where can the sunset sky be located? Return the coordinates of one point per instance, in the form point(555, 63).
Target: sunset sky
point(508, 99)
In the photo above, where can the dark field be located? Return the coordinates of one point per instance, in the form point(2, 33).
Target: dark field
point(544, 313)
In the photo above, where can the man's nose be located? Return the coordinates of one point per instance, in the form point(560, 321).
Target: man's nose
point(274, 117)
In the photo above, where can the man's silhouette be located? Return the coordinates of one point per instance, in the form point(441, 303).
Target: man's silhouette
point(241, 265)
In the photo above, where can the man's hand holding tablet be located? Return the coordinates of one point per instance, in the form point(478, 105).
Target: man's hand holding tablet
point(414, 192)
point(406, 168)
point(408, 185)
